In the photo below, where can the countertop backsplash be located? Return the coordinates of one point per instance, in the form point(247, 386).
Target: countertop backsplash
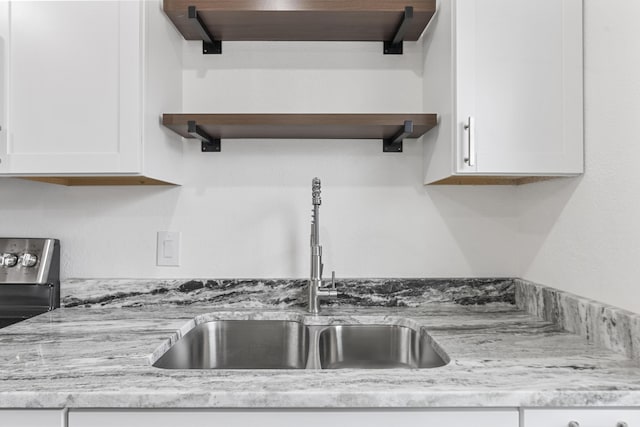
point(602, 324)
point(283, 293)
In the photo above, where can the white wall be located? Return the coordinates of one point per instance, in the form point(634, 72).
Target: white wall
point(583, 234)
point(245, 212)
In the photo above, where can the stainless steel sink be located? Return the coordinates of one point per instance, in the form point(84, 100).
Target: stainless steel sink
point(240, 344)
point(376, 347)
point(289, 344)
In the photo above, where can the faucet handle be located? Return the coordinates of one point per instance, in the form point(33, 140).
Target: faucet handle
point(333, 279)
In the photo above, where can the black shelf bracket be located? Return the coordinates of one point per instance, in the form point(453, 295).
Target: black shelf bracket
point(394, 144)
point(208, 143)
point(210, 46)
point(394, 47)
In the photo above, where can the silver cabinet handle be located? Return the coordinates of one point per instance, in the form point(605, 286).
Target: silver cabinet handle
point(471, 147)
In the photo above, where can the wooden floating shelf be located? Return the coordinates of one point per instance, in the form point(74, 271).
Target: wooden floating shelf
point(490, 180)
point(96, 180)
point(391, 128)
point(301, 20)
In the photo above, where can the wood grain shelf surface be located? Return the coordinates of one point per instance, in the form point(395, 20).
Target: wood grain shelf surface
point(301, 126)
point(96, 180)
point(491, 180)
point(300, 20)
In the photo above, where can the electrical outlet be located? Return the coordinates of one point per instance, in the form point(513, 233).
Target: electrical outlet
point(168, 248)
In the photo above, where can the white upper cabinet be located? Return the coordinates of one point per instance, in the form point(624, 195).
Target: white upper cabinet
point(86, 83)
point(4, 80)
point(505, 77)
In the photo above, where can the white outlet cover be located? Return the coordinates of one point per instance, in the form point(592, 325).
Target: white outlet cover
point(168, 248)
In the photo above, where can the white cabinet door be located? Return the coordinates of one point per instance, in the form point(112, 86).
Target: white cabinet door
point(31, 418)
point(583, 417)
point(4, 83)
point(519, 66)
point(506, 78)
point(293, 418)
point(74, 87)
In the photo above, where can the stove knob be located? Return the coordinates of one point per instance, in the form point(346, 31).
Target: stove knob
point(8, 260)
point(28, 260)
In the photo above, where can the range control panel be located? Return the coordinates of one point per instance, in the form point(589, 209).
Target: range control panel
point(29, 261)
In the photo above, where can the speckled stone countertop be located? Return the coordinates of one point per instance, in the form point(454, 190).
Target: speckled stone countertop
point(87, 357)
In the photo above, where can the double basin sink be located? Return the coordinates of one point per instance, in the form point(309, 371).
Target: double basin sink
point(292, 344)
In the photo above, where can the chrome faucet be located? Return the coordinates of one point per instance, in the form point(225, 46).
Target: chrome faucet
point(317, 291)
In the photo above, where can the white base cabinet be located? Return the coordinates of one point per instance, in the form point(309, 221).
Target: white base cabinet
point(32, 418)
point(84, 84)
point(505, 77)
point(293, 418)
point(452, 417)
point(581, 417)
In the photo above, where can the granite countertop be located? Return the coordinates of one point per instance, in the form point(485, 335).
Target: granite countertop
point(97, 351)
point(500, 357)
